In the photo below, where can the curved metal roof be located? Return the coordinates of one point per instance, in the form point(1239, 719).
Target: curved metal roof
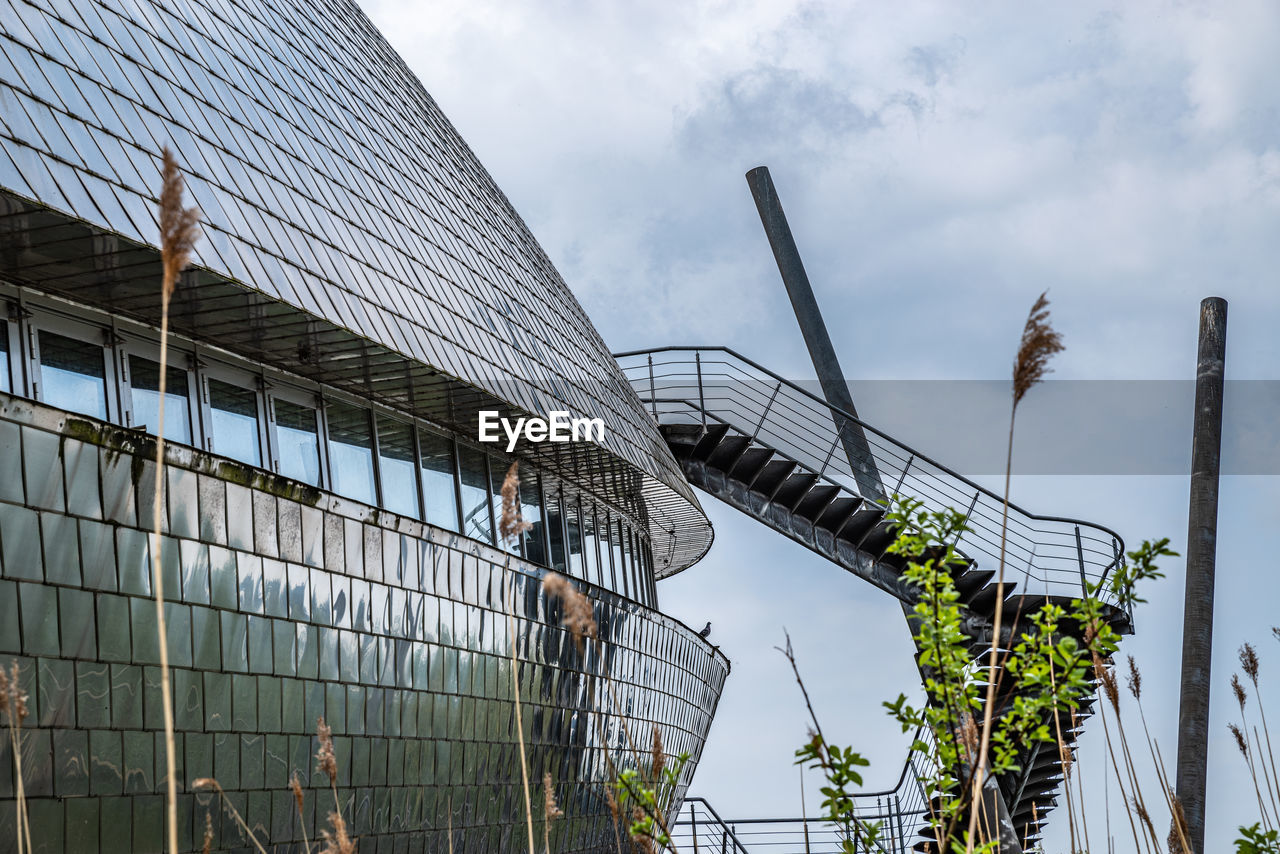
point(335, 194)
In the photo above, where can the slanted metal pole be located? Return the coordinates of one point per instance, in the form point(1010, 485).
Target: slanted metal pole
point(834, 386)
point(1202, 541)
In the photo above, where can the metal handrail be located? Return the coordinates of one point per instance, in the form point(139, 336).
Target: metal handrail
point(700, 384)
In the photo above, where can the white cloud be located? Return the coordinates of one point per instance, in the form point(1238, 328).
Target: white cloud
point(941, 164)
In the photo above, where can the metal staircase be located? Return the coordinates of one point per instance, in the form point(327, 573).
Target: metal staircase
point(777, 453)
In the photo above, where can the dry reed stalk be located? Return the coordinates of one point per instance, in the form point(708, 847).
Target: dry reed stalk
point(1124, 797)
point(1178, 831)
point(1250, 664)
point(178, 234)
point(1112, 690)
point(449, 824)
point(211, 783)
point(336, 838)
point(515, 689)
point(295, 786)
point(208, 833)
point(1040, 341)
point(14, 703)
point(511, 524)
point(1079, 775)
point(550, 810)
point(614, 811)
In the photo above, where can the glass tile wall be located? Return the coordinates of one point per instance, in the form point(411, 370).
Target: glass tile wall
point(327, 441)
point(397, 635)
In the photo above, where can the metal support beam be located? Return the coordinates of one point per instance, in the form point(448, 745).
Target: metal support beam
point(834, 386)
point(1202, 541)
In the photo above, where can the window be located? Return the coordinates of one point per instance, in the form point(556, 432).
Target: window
point(73, 374)
point(477, 519)
point(298, 441)
point(535, 548)
point(396, 464)
point(628, 565)
point(498, 474)
point(351, 452)
point(439, 489)
point(233, 422)
point(144, 383)
point(615, 548)
point(574, 530)
point(555, 531)
point(591, 545)
point(4, 357)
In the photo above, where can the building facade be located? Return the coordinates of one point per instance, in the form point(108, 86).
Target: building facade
point(361, 292)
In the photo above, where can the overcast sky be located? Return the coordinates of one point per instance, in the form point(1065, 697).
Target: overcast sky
point(940, 164)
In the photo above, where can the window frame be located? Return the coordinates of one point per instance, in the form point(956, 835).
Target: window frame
point(84, 332)
point(176, 358)
point(299, 397)
point(243, 379)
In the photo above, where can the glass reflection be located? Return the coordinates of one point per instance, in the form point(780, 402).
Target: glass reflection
point(144, 382)
point(498, 474)
point(73, 374)
point(299, 441)
point(555, 532)
point(531, 509)
point(476, 519)
point(396, 465)
point(4, 358)
point(439, 491)
point(590, 544)
point(574, 541)
point(233, 422)
point(351, 452)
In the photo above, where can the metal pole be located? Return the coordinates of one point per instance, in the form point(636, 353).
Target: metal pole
point(834, 386)
point(1202, 537)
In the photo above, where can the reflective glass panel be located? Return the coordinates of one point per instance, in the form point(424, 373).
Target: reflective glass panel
point(144, 380)
point(396, 464)
point(476, 522)
point(4, 357)
point(233, 422)
point(351, 452)
point(590, 544)
point(439, 491)
point(73, 374)
point(555, 531)
point(531, 509)
point(615, 548)
point(498, 473)
point(298, 440)
point(573, 529)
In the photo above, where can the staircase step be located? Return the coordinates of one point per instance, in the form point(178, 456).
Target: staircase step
point(816, 501)
point(709, 441)
point(984, 601)
point(751, 464)
point(727, 452)
point(879, 538)
point(970, 582)
point(838, 513)
point(860, 524)
point(794, 489)
point(772, 476)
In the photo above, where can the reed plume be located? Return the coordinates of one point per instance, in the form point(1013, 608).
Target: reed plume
point(212, 783)
point(550, 810)
point(1040, 341)
point(511, 523)
point(579, 616)
point(13, 702)
point(295, 786)
point(179, 230)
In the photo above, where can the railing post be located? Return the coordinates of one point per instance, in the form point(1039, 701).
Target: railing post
point(693, 816)
point(898, 488)
point(702, 402)
point(653, 394)
point(768, 406)
point(1084, 583)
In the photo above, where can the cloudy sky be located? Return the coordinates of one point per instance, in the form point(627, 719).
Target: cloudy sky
point(941, 164)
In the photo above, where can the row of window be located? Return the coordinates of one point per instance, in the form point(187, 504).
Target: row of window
point(367, 455)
